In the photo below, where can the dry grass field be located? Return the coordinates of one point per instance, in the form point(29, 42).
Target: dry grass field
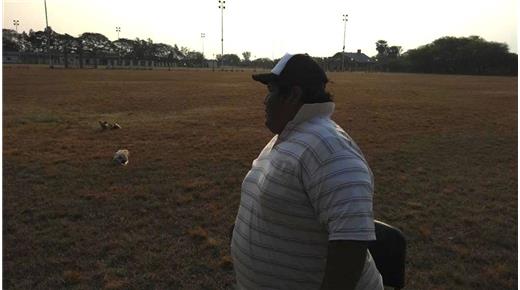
point(443, 150)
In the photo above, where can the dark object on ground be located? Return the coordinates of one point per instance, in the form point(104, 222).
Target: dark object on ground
point(104, 125)
point(389, 253)
point(121, 157)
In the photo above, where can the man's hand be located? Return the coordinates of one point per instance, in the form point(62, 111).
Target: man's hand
point(345, 262)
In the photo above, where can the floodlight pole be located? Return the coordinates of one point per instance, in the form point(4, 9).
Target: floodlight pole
point(345, 19)
point(16, 23)
point(202, 36)
point(48, 35)
point(222, 6)
point(118, 29)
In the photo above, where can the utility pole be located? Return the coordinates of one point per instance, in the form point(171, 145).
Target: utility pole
point(16, 23)
point(118, 29)
point(222, 6)
point(345, 19)
point(202, 36)
point(48, 35)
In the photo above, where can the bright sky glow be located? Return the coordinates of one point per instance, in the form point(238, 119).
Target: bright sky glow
point(269, 28)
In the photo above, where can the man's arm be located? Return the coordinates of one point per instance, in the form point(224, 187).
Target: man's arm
point(345, 263)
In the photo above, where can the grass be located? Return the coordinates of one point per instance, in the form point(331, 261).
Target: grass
point(443, 150)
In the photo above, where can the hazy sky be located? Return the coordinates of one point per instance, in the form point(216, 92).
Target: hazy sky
point(269, 28)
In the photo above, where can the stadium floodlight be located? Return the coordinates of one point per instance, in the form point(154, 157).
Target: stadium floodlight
point(345, 19)
point(202, 36)
point(48, 35)
point(16, 23)
point(46, 19)
point(118, 29)
point(222, 6)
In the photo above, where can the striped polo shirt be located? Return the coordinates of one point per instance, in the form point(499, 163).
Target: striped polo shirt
point(310, 185)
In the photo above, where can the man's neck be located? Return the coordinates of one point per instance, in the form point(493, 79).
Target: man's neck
point(309, 111)
point(306, 112)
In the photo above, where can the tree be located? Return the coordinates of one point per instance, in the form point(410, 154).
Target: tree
point(381, 47)
point(394, 51)
point(177, 51)
point(38, 41)
point(10, 40)
point(231, 59)
point(139, 49)
point(263, 63)
point(385, 54)
point(95, 42)
point(247, 56)
point(173, 53)
point(464, 55)
point(184, 51)
point(228, 59)
point(166, 52)
point(66, 44)
point(149, 52)
point(124, 47)
point(195, 59)
point(97, 45)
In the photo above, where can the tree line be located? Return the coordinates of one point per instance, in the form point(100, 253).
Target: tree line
point(96, 45)
point(449, 55)
point(446, 55)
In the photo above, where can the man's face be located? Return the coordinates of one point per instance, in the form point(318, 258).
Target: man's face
point(279, 110)
point(273, 104)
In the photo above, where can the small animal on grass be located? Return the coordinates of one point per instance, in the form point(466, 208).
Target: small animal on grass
point(121, 157)
point(106, 125)
point(114, 126)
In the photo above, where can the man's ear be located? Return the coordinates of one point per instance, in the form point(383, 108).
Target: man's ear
point(295, 95)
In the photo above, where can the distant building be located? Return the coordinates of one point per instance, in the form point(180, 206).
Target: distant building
point(353, 61)
point(358, 57)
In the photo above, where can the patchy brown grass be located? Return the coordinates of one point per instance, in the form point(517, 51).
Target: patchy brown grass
point(443, 150)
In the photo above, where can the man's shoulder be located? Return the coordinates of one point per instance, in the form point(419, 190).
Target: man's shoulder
point(319, 134)
point(321, 140)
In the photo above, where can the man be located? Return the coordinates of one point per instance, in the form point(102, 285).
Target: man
point(305, 213)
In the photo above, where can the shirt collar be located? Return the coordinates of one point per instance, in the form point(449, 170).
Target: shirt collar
point(307, 112)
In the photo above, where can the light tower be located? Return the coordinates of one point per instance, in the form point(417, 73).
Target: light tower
point(202, 36)
point(16, 23)
point(48, 35)
point(345, 19)
point(222, 6)
point(118, 29)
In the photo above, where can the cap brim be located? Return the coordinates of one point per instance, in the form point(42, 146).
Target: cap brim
point(265, 78)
